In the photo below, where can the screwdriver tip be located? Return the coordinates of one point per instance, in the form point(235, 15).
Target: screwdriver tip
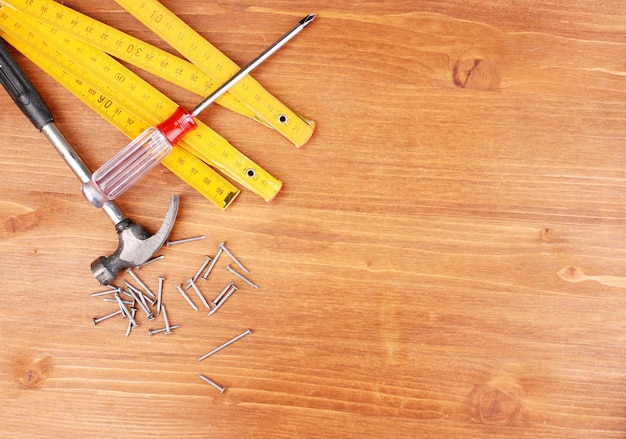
point(306, 20)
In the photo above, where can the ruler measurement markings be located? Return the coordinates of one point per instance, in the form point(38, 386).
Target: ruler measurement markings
point(226, 159)
point(213, 187)
point(96, 61)
point(270, 181)
point(221, 66)
point(75, 19)
point(206, 138)
point(180, 162)
point(157, 61)
point(227, 163)
point(92, 91)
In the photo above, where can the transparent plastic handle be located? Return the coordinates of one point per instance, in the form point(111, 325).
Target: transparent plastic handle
point(127, 166)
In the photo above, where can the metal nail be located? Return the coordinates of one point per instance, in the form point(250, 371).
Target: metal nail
point(229, 293)
point(112, 300)
point(201, 269)
point(152, 302)
point(159, 295)
point(143, 297)
point(229, 342)
point(104, 293)
point(179, 287)
point(182, 241)
point(124, 309)
point(157, 258)
point(159, 331)
point(127, 294)
point(235, 260)
point(168, 328)
point(211, 382)
point(221, 294)
point(199, 293)
point(141, 304)
point(97, 320)
point(242, 277)
point(140, 282)
point(130, 323)
point(212, 264)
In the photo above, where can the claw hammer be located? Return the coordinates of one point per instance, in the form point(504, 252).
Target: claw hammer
point(136, 245)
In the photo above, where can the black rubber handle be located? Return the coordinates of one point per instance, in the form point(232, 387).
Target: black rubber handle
point(22, 90)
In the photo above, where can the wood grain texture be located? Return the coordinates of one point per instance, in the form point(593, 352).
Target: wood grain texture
point(447, 257)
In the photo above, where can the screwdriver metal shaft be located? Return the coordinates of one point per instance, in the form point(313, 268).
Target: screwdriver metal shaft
point(252, 65)
point(141, 155)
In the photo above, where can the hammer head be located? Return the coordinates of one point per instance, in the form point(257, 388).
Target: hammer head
point(136, 245)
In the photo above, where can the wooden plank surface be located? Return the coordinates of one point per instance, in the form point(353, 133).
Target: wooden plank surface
point(446, 258)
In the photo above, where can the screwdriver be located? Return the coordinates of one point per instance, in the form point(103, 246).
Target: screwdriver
point(28, 99)
point(143, 153)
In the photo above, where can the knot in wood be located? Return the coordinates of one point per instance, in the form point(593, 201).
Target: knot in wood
point(476, 74)
point(29, 372)
point(498, 402)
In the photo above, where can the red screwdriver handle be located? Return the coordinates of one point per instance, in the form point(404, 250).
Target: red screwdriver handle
point(177, 125)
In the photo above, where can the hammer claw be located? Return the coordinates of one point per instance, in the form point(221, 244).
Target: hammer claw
point(136, 245)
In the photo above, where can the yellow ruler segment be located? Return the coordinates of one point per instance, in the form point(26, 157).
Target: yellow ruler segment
point(203, 54)
point(143, 101)
point(147, 102)
point(147, 57)
point(181, 162)
point(137, 52)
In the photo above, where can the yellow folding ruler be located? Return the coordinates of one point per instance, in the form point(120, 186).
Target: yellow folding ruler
point(298, 129)
point(112, 87)
point(127, 101)
point(203, 54)
point(181, 162)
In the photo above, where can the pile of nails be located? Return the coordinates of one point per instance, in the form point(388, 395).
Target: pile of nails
point(132, 295)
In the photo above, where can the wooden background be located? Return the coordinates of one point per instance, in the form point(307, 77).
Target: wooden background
point(447, 257)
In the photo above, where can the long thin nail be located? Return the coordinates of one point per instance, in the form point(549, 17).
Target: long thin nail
point(140, 282)
point(242, 277)
point(159, 295)
point(168, 328)
point(202, 267)
point(159, 331)
point(111, 299)
point(130, 323)
point(222, 293)
point(124, 309)
point(229, 293)
point(97, 320)
point(142, 305)
point(212, 264)
point(157, 258)
point(179, 287)
point(142, 296)
point(235, 260)
point(137, 295)
point(211, 382)
point(229, 342)
point(104, 293)
point(199, 293)
point(182, 241)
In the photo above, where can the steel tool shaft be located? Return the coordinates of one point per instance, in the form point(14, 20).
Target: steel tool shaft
point(136, 245)
point(252, 65)
point(147, 150)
